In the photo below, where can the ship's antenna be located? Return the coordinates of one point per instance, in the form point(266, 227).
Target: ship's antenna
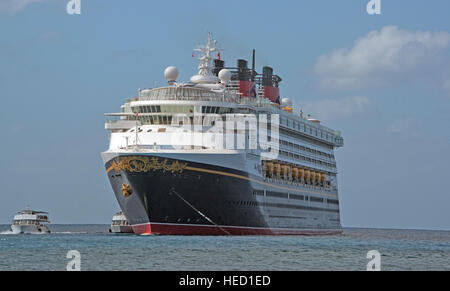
point(205, 67)
point(253, 66)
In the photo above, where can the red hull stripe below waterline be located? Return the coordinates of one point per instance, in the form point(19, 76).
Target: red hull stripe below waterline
point(185, 229)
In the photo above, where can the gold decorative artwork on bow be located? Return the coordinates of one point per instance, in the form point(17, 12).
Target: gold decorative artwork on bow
point(126, 190)
point(141, 164)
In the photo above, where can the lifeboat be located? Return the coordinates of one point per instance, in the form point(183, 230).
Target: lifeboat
point(282, 170)
point(307, 177)
point(269, 169)
point(323, 178)
point(286, 170)
point(318, 176)
point(313, 177)
point(287, 108)
point(294, 173)
point(301, 175)
point(276, 169)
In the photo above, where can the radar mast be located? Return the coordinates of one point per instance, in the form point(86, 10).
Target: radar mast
point(205, 67)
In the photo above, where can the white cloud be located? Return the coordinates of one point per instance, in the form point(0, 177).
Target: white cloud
point(337, 109)
point(385, 57)
point(406, 127)
point(13, 6)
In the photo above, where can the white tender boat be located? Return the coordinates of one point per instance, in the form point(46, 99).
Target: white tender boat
point(30, 222)
point(120, 224)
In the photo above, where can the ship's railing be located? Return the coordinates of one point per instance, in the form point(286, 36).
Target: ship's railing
point(182, 93)
point(263, 102)
point(118, 119)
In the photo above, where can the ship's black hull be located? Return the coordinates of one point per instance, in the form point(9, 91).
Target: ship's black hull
point(165, 196)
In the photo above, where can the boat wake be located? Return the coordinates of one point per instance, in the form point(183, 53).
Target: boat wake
point(7, 232)
point(69, 232)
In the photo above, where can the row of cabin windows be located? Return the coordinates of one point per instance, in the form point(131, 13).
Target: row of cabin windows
point(307, 159)
point(305, 128)
point(147, 109)
point(120, 222)
point(297, 135)
point(180, 109)
point(34, 222)
point(210, 109)
point(278, 205)
point(299, 147)
point(161, 119)
point(294, 196)
point(167, 120)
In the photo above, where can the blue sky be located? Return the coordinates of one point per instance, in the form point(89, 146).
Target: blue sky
point(383, 80)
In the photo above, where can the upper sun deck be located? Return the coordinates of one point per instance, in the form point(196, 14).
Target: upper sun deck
point(183, 93)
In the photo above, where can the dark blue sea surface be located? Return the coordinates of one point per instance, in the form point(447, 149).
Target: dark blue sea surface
point(100, 250)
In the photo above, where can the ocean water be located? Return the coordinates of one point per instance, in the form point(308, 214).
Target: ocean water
point(100, 250)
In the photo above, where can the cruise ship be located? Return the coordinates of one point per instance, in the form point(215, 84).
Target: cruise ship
point(30, 222)
point(222, 154)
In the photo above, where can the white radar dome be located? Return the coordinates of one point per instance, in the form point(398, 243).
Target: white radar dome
point(286, 102)
point(171, 73)
point(225, 76)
